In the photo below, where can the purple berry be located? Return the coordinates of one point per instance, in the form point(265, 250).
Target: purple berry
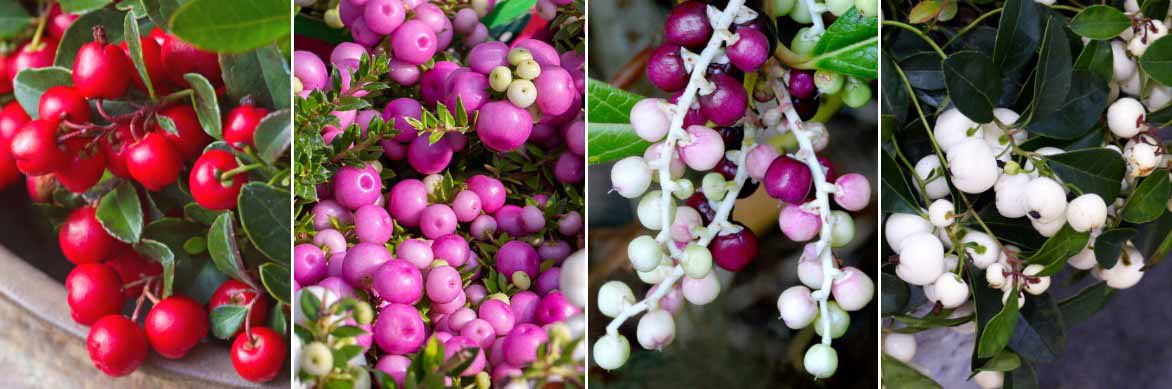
point(801, 84)
point(517, 256)
point(355, 187)
point(734, 251)
point(431, 84)
point(725, 105)
point(362, 261)
point(575, 134)
point(524, 305)
point(403, 73)
point(498, 314)
point(555, 308)
point(443, 284)
point(490, 190)
point(406, 201)
point(570, 224)
point(488, 55)
point(555, 250)
point(544, 54)
point(548, 280)
point(399, 329)
point(555, 90)
point(399, 110)
point(309, 264)
point(665, 68)
point(413, 42)
point(509, 221)
point(570, 168)
point(428, 158)
point(687, 25)
point(362, 34)
point(326, 212)
point(468, 88)
point(466, 205)
point(465, 21)
point(520, 345)
point(398, 281)
point(483, 227)
point(788, 180)
point(372, 224)
point(475, 292)
point(502, 126)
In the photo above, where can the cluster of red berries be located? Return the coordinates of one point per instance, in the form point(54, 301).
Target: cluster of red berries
point(65, 145)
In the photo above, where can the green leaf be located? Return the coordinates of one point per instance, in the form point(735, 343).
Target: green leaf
point(1079, 112)
point(608, 104)
point(896, 374)
point(913, 324)
point(160, 11)
point(347, 331)
point(163, 255)
point(1157, 60)
point(974, 84)
point(30, 84)
point(1150, 198)
point(1064, 244)
point(277, 320)
point(81, 6)
point(1097, 171)
point(262, 74)
point(13, 19)
point(222, 247)
point(133, 41)
point(1096, 57)
point(1040, 335)
point(1052, 81)
point(264, 215)
point(505, 11)
point(120, 213)
point(1109, 245)
point(849, 46)
point(273, 135)
point(81, 32)
point(893, 296)
point(612, 142)
point(200, 214)
point(206, 107)
point(899, 193)
point(996, 333)
point(1155, 8)
point(312, 27)
point(275, 278)
point(1086, 303)
point(1023, 378)
point(167, 124)
point(1100, 22)
point(231, 26)
point(198, 278)
point(310, 304)
point(1004, 361)
point(227, 319)
point(894, 98)
point(924, 12)
point(174, 233)
point(1018, 34)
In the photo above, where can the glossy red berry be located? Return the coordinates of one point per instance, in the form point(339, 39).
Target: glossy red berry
point(32, 57)
point(59, 21)
point(175, 325)
point(240, 125)
point(180, 58)
point(117, 345)
point(190, 139)
point(12, 118)
point(233, 292)
point(205, 184)
point(5, 81)
point(153, 161)
point(35, 148)
point(735, 251)
point(152, 59)
point(8, 171)
point(132, 267)
point(83, 168)
point(115, 146)
point(63, 102)
point(93, 290)
point(259, 358)
point(101, 70)
point(82, 238)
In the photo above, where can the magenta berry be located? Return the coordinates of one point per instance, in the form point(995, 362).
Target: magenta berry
point(399, 110)
point(362, 261)
point(788, 180)
point(517, 256)
point(665, 68)
point(372, 224)
point(413, 42)
point(416, 252)
point(399, 329)
point(383, 16)
point(520, 345)
point(309, 264)
point(703, 150)
point(490, 190)
point(734, 251)
point(498, 314)
point(798, 224)
point(443, 284)
point(503, 127)
point(554, 308)
point(725, 105)
point(466, 205)
point(488, 55)
point(750, 51)
point(451, 248)
point(327, 212)
point(687, 25)
point(555, 90)
point(801, 84)
point(458, 343)
point(399, 281)
point(406, 201)
point(355, 187)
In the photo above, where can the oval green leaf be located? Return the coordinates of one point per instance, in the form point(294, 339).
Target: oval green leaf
point(163, 255)
point(1064, 244)
point(275, 278)
point(612, 142)
point(273, 135)
point(231, 26)
point(1052, 81)
point(974, 84)
point(1109, 245)
point(206, 107)
point(120, 213)
point(1100, 22)
point(1085, 304)
point(133, 41)
point(13, 19)
point(896, 374)
point(81, 32)
point(264, 215)
point(1157, 60)
point(607, 104)
point(30, 84)
point(849, 46)
point(505, 11)
point(1150, 198)
point(262, 74)
point(1018, 34)
point(1097, 171)
point(223, 249)
point(226, 319)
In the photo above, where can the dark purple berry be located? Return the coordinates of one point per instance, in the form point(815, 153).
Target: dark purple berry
point(700, 204)
point(726, 104)
point(806, 108)
point(687, 25)
point(801, 84)
point(665, 68)
point(732, 136)
point(734, 252)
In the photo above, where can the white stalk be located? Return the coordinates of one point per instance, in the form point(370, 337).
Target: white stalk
point(816, 16)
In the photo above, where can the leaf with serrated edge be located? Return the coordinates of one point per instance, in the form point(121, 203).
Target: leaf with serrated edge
point(227, 319)
point(206, 107)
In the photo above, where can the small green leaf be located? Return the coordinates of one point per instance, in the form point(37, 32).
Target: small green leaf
point(347, 331)
point(264, 215)
point(1150, 198)
point(231, 26)
point(899, 189)
point(1064, 244)
point(30, 84)
point(1097, 171)
point(227, 319)
point(277, 320)
point(1052, 80)
point(924, 12)
point(167, 124)
point(607, 104)
point(1155, 8)
point(164, 256)
point(1079, 112)
point(273, 135)
point(81, 32)
point(1086, 303)
point(1004, 361)
point(896, 374)
point(893, 296)
point(133, 41)
point(120, 213)
point(974, 84)
point(612, 142)
point(200, 214)
point(310, 305)
point(1100, 22)
point(995, 335)
point(223, 249)
point(849, 46)
point(14, 19)
point(1109, 245)
point(1096, 57)
point(505, 11)
point(82, 6)
point(206, 107)
point(275, 278)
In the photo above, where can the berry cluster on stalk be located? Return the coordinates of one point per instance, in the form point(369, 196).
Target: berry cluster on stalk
point(438, 239)
point(711, 125)
point(76, 156)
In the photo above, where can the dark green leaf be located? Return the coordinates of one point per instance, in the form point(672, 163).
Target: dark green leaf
point(277, 320)
point(1018, 34)
point(505, 11)
point(226, 319)
point(1040, 335)
point(973, 84)
point(608, 104)
point(200, 214)
point(198, 278)
point(1022, 378)
point(894, 97)
point(275, 278)
point(849, 46)
point(308, 26)
point(1012, 231)
point(1052, 81)
point(133, 41)
point(996, 333)
point(160, 11)
point(922, 71)
point(899, 193)
point(913, 324)
point(1109, 245)
point(222, 247)
point(231, 26)
point(206, 107)
point(1149, 200)
point(1064, 244)
point(1004, 361)
point(121, 213)
point(893, 296)
point(310, 304)
point(1086, 303)
point(1100, 22)
point(612, 142)
point(273, 135)
point(262, 74)
point(163, 255)
point(1096, 57)
point(81, 6)
point(1079, 112)
point(81, 32)
point(896, 374)
point(1097, 171)
point(13, 19)
point(264, 214)
point(347, 331)
point(30, 84)
point(1154, 8)
point(1157, 60)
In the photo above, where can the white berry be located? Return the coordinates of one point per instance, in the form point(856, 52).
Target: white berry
point(1043, 282)
point(650, 119)
point(929, 171)
point(1046, 199)
point(630, 177)
point(645, 253)
point(656, 330)
point(995, 275)
point(821, 360)
point(796, 307)
point(981, 247)
point(1122, 63)
point(650, 210)
point(900, 346)
point(1084, 260)
point(899, 226)
point(1142, 155)
point(953, 127)
point(973, 168)
point(614, 297)
point(853, 290)
point(1125, 117)
point(1127, 271)
point(1153, 30)
point(1011, 195)
point(989, 379)
point(1086, 212)
point(611, 351)
point(941, 213)
point(951, 291)
point(922, 259)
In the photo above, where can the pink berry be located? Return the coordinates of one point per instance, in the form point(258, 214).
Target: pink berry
point(466, 205)
point(355, 187)
point(413, 42)
point(650, 120)
point(383, 16)
point(399, 329)
point(372, 224)
point(361, 263)
point(399, 282)
point(451, 248)
point(416, 252)
point(703, 150)
point(406, 201)
point(554, 308)
point(555, 90)
point(758, 160)
point(498, 314)
point(517, 256)
point(309, 264)
point(479, 330)
point(484, 57)
point(428, 158)
point(852, 191)
point(502, 126)
point(437, 220)
point(443, 284)
point(458, 343)
point(524, 305)
point(490, 190)
point(797, 224)
point(520, 345)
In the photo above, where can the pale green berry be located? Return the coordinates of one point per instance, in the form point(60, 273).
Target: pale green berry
point(316, 359)
point(684, 189)
point(521, 280)
point(868, 8)
point(333, 18)
point(697, 261)
point(856, 93)
point(842, 229)
point(838, 323)
point(821, 360)
point(518, 55)
point(714, 187)
point(297, 85)
point(828, 83)
point(500, 78)
point(528, 69)
point(801, 13)
point(839, 7)
point(781, 7)
point(611, 351)
point(483, 380)
point(363, 313)
point(804, 41)
point(522, 93)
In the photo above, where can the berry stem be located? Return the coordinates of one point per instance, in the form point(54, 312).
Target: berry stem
point(226, 177)
point(816, 11)
point(41, 21)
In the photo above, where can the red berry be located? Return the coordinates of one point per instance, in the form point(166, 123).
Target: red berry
point(180, 58)
point(40, 188)
point(132, 267)
point(101, 70)
point(233, 292)
point(30, 57)
point(205, 184)
point(59, 21)
point(158, 35)
point(5, 81)
point(84, 167)
point(63, 102)
point(241, 123)
point(12, 118)
point(35, 148)
point(175, 325)
point(259, 358)
point(153, 60)
point(117, 345)
point(191, 139)
point(82, 238)
point(115, 146)
point(8, 171)
point(93, 291)
point(735, 251)
point(153, 161)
